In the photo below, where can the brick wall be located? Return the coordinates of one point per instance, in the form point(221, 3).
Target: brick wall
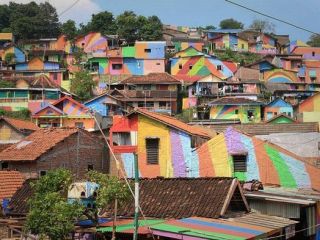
point(74, 153)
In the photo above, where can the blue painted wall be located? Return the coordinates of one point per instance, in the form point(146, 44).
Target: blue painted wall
point(135, 66)
point(98, 106)
point(20, 56)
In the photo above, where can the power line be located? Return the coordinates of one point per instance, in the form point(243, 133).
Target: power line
point(274, 18)
point(68, 8)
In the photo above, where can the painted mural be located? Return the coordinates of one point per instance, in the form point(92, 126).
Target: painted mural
point(19, 55)
point(265, 162)
point(181, 45)
point(309, 109)
point(92, 42)
point(241, 113)
point(191, 62)
point(280, 76)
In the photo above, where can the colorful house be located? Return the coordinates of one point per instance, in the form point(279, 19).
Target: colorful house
point(163, 144)
point(281, 118)
point(260, 42)
point(308, 53)
point(19, 55)
point(235, 108)
point(158, 92)
point(37, 66)
point(65, 112)
point(233, 153)
point(95, 43)
point(184, 43)
point(309, 109)
point(141, 59)
point(191, 62)
point(13, 130)
point(229, 41)
point(276, 107)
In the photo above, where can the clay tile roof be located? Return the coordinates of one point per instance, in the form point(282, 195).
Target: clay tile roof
point(20, 124)
point(181, 197)
point(152, 78)
point(10, 181)
point(234, 101)
point(175, 123)
point(19, 202)
point(36, 144)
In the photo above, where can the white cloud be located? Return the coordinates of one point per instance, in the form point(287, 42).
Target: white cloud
point(80, 12)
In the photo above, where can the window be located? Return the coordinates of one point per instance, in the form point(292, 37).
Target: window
point(250, 114)
point(55, 76)
point(90, 167)
point(146, 87)
point(140, 104)
point(239, 163)
point(122, 138)
point(158, 63)
point(79, 125)
point(289, 114)
point(275, 113)
point(193, 141)
point(162, 104)
point(242, 46)
point(236, 111)
point(42, 173)
point(150, 104)
point(4, 165)
point(116, 66)
point(190, 67)
point(152, 146)
point(219, 67)
point(313, 54)
point(180, 66)
point(147, 50)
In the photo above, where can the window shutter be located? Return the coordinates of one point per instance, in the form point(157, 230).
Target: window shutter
point(239, 163)
point(152, 146)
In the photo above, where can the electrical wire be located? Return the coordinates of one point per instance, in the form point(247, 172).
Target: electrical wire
point(68, 8)
point(274, 18)
point(119, 167)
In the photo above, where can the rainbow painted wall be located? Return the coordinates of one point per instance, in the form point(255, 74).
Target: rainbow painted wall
point(309, 109)
point(236, 112)
point(279, 76)
point(180, 45)
point(92, 42)
point(191, 62)
point(266, 162)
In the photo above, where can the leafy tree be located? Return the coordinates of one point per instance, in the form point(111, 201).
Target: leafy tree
point(103, 22)
point(151, 28)
point(7, 84)
point(32, 20)
point(23, 114)
point(133, 27)
point(5, 17)
point(110, 189)
point(69, 29)
point(82, 85)
point(314, 40)
point(9, 58)
point(230, 23)
point(262, 25)
point(50, 214)
point(127, 25)
point(238, 57)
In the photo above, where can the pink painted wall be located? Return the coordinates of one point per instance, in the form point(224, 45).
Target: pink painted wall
point(150, 66)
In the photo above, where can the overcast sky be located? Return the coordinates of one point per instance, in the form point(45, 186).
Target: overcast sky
point(201, 12)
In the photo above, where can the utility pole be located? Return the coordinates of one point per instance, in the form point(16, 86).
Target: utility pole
point(136, 197)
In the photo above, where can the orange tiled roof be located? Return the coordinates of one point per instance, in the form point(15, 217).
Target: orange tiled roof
point(36, 144)
point(10, 181)
point(21, 124)
point(175, 123)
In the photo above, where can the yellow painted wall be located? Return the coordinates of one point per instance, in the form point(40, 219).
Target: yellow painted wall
point(148, 128)
point(311, 116)
point(245, 43)
point(219, 154)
